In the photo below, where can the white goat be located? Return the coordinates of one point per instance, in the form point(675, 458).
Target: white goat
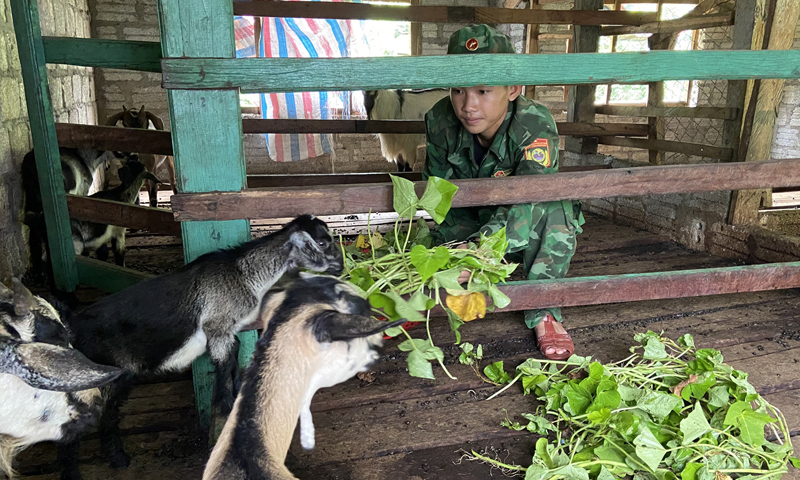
point(37, 370)
point(401, 105)
point(319, 333)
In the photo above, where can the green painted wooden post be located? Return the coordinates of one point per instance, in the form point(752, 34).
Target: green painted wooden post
point(43, 132)
point(207, 141)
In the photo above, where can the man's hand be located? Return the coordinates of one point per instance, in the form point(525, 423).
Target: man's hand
point(465, 274)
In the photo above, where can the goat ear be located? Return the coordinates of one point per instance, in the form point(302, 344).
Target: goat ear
point(301, 238)
point(113, 119)
point(50, 367)
point(23, 298)
point(333, 326)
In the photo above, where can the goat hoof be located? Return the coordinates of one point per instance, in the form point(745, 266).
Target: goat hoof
point(120, 460)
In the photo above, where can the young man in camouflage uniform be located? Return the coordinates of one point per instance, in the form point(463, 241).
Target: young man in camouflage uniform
point(484, 132)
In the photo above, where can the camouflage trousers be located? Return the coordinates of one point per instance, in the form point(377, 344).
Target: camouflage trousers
point(550, 243)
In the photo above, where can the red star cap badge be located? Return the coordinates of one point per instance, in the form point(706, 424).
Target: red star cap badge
point(472, 44)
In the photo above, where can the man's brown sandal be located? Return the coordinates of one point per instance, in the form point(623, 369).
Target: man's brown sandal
point(551, 339)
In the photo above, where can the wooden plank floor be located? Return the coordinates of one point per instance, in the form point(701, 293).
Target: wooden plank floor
point(405, 428)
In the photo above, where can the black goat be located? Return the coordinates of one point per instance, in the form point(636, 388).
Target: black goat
point(48, 391)
point(94, 236)
point(319, 333)
point(167, 322)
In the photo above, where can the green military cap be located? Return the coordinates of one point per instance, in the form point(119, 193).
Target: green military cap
point(479, 39)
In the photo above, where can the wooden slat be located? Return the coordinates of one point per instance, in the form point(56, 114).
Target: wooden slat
point(670, 146)
point(107, 276)
point(48, 160)
point(100, 137)
point(273, 181)
point(153, 220)
point(414, 126)
point(99, 52)
point(336, 200)
point(160, 142)
point(437, 14)
point(670, 26)
point(685, 112)
point(635, 287)
point(313, 74)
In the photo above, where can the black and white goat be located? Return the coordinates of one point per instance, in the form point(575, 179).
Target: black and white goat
point(319, 333)
point(88, 236)
point(141, 118)
point(48, 391)
point(401, 105)
point(78, 168)
point(165, 323)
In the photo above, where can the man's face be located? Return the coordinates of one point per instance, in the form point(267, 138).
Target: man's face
point(482, 109)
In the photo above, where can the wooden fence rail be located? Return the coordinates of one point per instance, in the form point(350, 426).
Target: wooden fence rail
point(343, 199)
point(122, 214)
point(160, 142)
point(697, 149)
point(315, 74)
point(721, 113)
point(438, 14)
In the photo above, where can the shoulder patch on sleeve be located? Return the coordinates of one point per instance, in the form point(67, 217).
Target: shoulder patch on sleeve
point(539, 152)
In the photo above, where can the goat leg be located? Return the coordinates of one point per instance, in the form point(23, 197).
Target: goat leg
point(152, 191)
point(68, 460)
point(226, 366)
point(118, 246)
point(101, 253)
point(115, 395)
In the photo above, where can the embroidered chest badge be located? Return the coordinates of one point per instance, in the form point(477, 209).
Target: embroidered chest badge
point(472, 44)
point(501, 173)
point(539, 152)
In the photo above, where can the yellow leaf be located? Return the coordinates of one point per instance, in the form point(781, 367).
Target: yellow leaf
point(468, 307)
point(377, 240)
point(362, 241)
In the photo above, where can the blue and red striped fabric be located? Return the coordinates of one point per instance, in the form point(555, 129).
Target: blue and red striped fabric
point(297, 38)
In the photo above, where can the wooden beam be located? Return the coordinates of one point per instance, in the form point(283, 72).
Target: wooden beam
point(273, 181)
point(107, 276)
point(337, 200)
point(684, 112)
point(580, 98)
point(655, 98)
point(636, 287)
point(99, 52)
point(207, 137)
point(531, 43)
point(437, 14)
point(672, 26)
point(120, 139)
point(25, 15)
point(415, 32)
point(153, 220)
point(670, 146)
point(160, 142)
point(314, 74)
point(745, 205)
point(749, 27)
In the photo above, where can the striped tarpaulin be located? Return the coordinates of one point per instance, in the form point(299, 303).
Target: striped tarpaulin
point(297, 38)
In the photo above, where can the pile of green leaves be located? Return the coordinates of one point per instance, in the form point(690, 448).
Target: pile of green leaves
point(402, 274)
point(667, 411)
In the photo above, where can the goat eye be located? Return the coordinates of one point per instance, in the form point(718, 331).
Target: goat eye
point(322, 243)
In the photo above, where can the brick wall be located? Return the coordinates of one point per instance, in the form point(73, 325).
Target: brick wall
point(786, 143)
point(72, 95)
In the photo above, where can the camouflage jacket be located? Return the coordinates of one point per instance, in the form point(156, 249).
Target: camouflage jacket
point(525, 144)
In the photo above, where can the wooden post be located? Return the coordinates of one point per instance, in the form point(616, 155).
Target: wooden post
point(43, 132)
point(416, 34)
point(655, 98)
point(532, 46)
point(750, 18)
point(207, 141)
point(745, 204)
point(580, 106)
